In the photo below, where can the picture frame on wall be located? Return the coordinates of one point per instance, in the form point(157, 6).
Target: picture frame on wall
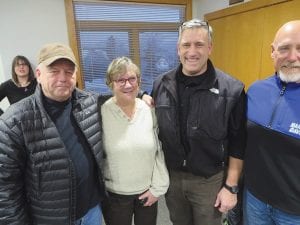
point(234, 1)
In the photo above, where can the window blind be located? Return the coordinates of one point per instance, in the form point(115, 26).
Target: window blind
point(147, 33)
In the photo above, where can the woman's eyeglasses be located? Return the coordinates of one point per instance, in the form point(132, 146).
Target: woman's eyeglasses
point(122, 81)
point(20, 64)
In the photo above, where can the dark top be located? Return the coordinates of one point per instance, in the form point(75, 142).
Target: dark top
point(186, 86)
point(14, 93)
point(87, 195)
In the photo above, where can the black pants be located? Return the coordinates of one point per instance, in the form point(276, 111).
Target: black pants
point(119, 210)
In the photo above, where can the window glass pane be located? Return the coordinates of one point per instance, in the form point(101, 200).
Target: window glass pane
point(98, 49)
point(158, 55)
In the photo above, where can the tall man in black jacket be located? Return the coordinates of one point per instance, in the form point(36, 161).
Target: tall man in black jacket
point(201, 117)
point(50, 149)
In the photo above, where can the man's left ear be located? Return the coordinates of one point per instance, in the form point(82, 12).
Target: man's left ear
point(177, 47)
point(210, 47)
point(38, 74)
point(272, 51)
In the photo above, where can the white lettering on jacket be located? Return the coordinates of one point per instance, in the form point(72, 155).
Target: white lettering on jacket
point(295, 128)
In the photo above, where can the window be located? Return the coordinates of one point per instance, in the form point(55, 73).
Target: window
point(145, 32)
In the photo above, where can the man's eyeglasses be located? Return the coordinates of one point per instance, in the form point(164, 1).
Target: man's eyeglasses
point(195, 23)
point(122, 81)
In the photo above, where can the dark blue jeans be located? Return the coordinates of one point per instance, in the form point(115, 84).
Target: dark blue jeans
point(257, 212)
point(92, 217)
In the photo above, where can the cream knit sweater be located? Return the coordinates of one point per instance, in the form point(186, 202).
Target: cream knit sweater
point(134, 160)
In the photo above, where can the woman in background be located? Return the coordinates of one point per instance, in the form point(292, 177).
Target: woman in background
point(134, 168)
point(22, 83)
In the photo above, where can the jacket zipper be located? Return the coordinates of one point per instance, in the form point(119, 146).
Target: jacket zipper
point(72, 192)
point(282, 91)
point(223, 154)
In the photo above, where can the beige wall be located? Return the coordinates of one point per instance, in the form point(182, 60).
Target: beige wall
point(25, 25)
point(201, 7)
point(243, 35)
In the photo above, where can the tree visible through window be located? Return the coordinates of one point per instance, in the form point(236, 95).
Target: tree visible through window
point(147, 33)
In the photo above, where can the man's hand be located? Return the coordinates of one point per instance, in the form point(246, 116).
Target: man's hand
point(148, 100)
point(225, 200)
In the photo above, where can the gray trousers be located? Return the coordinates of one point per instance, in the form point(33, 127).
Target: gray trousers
point(190, 199)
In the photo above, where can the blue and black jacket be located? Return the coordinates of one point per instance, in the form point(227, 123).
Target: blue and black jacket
point(272, 157)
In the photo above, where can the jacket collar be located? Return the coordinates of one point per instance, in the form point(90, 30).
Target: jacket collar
point(76, 95)
point(210, 82)
point(169, 79)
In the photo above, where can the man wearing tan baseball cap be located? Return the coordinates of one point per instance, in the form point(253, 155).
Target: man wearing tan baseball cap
point(54, 51)
point(50, 149)
point(58, 58)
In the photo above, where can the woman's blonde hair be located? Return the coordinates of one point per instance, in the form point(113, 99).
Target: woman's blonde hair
point(120, 66)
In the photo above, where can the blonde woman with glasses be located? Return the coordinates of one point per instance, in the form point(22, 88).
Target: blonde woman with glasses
point(134, 169)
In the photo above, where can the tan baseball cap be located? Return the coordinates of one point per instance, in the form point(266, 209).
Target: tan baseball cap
point(49, 53)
